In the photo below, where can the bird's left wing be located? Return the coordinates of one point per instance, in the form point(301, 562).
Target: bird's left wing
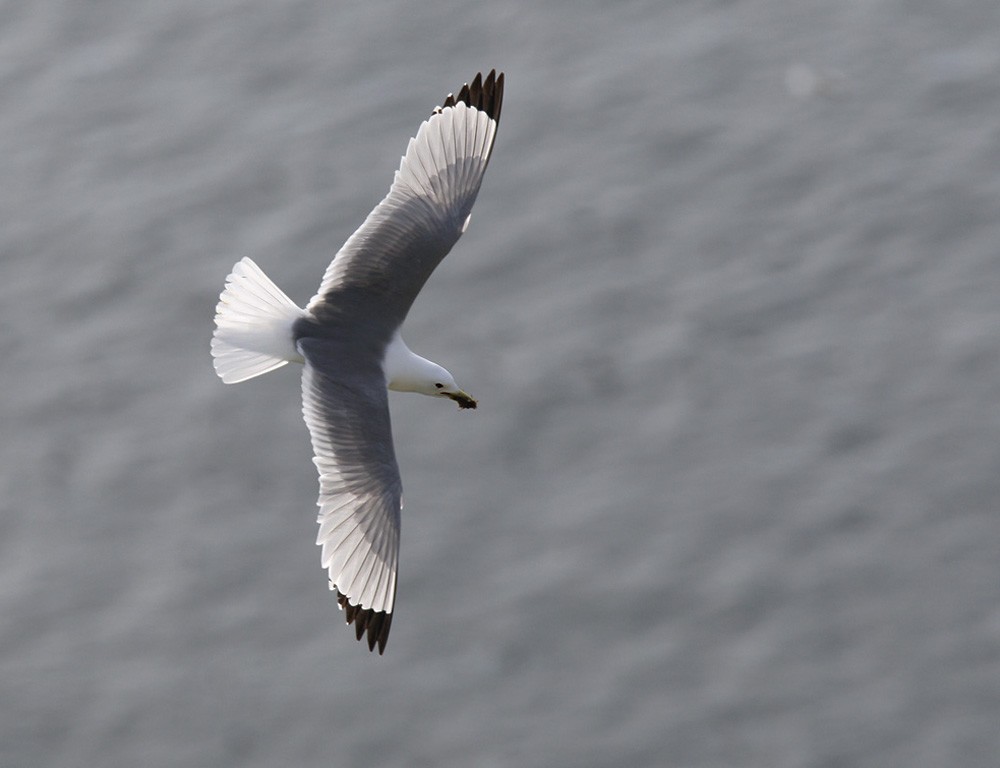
point(428, 206)
point(347, 411)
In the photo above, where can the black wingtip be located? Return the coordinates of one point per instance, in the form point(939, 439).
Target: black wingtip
point(484, 95)
point(375, 623)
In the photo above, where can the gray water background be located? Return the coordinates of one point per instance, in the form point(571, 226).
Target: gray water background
point(730, 302)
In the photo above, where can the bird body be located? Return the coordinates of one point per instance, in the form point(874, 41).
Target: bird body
point(349, 342)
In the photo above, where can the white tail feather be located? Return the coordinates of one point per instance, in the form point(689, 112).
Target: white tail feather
point(253, 326)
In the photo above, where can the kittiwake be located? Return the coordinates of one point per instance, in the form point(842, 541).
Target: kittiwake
point(348, 340)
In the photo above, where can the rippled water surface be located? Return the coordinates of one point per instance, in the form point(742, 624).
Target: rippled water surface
point(730, 302)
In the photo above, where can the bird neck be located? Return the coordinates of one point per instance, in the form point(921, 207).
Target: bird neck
point(406, 371)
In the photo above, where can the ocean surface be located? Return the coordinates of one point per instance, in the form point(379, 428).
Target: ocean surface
point(730, 303)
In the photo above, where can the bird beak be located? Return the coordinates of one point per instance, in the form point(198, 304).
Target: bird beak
point(463, 400)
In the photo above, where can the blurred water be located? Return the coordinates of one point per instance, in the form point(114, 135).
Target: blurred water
point(730, 303)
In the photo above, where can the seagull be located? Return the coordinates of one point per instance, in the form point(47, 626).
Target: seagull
point(349, 343)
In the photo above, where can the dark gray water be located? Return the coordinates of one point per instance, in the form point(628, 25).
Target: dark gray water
point(730, 302)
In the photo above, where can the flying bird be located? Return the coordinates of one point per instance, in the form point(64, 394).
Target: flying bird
point(349, 343)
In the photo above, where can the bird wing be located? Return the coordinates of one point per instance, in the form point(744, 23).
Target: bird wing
point(347, 411)
point(427, 209)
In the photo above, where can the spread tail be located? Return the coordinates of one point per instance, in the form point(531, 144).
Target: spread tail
point(253, 326)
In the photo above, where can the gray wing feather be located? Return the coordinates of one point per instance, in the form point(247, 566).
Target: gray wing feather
point(405, 237)
point(346, 409)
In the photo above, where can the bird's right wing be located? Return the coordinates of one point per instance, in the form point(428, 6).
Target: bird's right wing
point(360, 490)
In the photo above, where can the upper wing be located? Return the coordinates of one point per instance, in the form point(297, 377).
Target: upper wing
point(428, 206)
point(360, 491)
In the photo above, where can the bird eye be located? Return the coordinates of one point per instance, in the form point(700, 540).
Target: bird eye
point(439, 385)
